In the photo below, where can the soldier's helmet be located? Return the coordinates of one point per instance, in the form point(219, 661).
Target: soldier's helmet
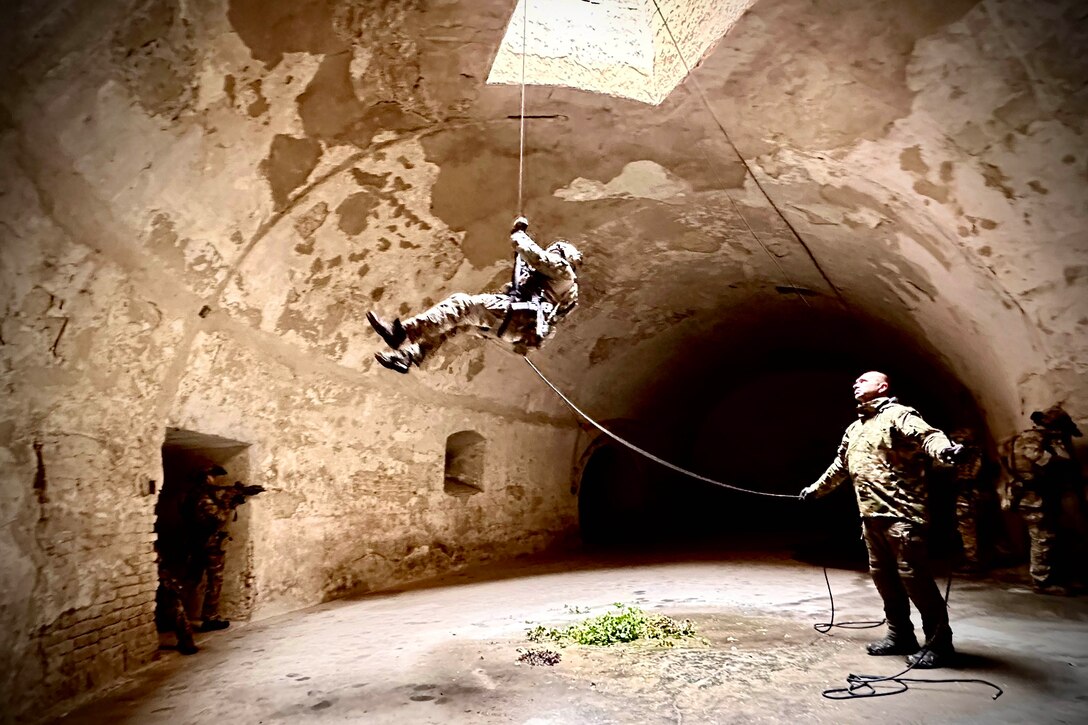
point(1055, 418)
point(567, 251)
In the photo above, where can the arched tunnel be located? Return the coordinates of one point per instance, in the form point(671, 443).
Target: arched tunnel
point(202, 200)
point(767, 419)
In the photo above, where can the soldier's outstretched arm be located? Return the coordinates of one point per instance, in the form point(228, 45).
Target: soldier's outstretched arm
point(835, 475)
point(547, 263)
point(935, 443)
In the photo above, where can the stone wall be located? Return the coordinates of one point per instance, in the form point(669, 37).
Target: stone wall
point(190, 239)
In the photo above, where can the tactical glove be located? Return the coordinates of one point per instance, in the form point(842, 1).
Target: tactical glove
point(808, 493)
point(520, 225)
point(951, 454)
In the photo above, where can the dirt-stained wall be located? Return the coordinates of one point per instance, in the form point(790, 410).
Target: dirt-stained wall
point(202, 198)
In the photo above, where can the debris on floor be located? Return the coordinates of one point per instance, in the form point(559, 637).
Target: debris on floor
point(538, 657)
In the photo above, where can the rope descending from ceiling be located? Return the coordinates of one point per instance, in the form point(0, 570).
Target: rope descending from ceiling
point(721, 126)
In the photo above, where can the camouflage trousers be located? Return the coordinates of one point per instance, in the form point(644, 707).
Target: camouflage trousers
point(170, 605)
point(215, 562)
point(967, 525)
point(1042, 518)
point(899, 566)
point(485, 312)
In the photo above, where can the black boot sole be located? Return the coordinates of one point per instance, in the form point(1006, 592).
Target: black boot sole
point(394, 338)
point(393, 365)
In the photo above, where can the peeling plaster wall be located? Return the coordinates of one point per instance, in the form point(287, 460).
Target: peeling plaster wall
point(201, 203)
point(203, 198)
point(946, 163)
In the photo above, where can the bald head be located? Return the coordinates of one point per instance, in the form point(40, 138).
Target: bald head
point(872, 384)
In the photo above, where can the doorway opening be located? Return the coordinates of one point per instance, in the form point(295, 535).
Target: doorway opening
point(210, 570)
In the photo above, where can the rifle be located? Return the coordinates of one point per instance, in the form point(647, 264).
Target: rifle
point(240, 492)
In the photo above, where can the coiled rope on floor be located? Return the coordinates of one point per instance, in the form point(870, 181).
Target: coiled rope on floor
point(863, 686)
point(826, 627)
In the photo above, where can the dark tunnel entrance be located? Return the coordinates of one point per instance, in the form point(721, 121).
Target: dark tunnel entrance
point(209, 573)
point(771, 419)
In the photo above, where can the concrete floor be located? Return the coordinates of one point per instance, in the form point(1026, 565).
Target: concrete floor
point(446, 652)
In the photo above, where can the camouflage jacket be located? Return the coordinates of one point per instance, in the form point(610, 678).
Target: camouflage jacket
point(966, 471)
point(214, 507)
point(539, 273)
point(1038, 457)
point(884, 453)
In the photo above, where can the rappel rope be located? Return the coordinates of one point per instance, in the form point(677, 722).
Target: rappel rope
point(645, 453)
point(858, 686)
point(744, 162)
point(576, 409)
point(521, 144)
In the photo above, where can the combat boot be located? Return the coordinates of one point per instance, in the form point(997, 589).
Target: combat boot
point(186, 646)
point(932, 658)
point(213, 625)
point(893, 644)
point(394, 335)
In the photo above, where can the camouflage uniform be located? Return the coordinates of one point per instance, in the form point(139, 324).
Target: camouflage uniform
point(884, 453)
point(543, 291)
point(1041, 466)
point(965, 474)
point(214, 508)
point(175, 582)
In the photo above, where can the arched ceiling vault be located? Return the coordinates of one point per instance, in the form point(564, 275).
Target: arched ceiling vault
point(292, 164)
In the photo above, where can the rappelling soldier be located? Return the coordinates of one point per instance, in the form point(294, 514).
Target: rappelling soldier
point(543, 291)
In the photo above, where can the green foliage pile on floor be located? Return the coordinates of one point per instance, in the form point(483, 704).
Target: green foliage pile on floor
point(625, 624)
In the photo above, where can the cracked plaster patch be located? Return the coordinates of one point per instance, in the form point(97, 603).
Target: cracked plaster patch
point(639, 179)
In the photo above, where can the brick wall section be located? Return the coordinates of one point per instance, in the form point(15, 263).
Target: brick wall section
point(95, 590)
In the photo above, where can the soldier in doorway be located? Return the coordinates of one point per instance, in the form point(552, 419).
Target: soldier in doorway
point(1041, 468)
point(191, 550)
point(181, 559)
point(214, 507)
point(544, 289)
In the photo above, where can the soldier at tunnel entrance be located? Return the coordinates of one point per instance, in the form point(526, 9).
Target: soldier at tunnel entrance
point(1041, 469)
point(543, 290)
point(884, 454)
point(193, 549)
point(214, 507)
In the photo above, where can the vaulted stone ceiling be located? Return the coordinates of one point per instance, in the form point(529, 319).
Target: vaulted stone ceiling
point(296, 163)
point(203, 198)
